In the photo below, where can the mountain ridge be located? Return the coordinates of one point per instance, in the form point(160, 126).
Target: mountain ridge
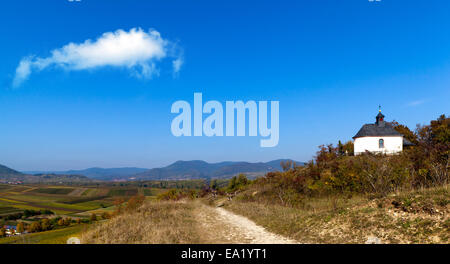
point(179, 170)
point(197, 169)
point(8, 175)
point(98, 173)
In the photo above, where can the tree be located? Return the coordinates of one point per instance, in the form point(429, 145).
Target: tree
point(67, 221)
point(341, 148)
point(242, 180)
point(405, 131)
point(105, 215)
point(232, 184)
point(118, 203)
point(214, 184)
point(348, 148)
point(93, 217)
point(45, 224)
point(135, 202)
point(20, 227)
point(286, 165)
point(35, 227)
point(237, 183)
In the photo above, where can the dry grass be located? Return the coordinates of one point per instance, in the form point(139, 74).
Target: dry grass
point(153, 223)
point(409, 217)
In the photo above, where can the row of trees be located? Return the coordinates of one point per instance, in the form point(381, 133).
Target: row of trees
point(46, 224)
point(40, 225)
point(26, 214)
point(236, 183)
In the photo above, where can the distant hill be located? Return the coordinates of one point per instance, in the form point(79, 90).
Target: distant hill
point(98, 173)
point(8, 175)
point(198, 169)
point(195, 169)
point(6, 172)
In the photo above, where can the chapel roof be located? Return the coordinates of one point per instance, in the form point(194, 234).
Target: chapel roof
point(374, 130)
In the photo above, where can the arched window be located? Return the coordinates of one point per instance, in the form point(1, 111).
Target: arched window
point(381, 143)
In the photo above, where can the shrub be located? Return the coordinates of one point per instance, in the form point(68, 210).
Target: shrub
point(93, 217)
point(135, 202)
point(105, 215)
point(35, 227)
point(237, 183)
point(20, 227)
point(335, 171)
point(46, 225)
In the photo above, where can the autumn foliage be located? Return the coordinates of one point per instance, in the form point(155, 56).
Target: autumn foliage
point(335, 170)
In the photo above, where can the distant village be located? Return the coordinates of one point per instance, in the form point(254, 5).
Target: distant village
point(12, 182)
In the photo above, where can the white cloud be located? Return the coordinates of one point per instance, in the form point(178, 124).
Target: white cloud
point(22, 71)
point(416, 103)
point(135, 50)
point(177, 64)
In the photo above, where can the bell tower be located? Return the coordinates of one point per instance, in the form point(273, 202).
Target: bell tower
point(380, 118)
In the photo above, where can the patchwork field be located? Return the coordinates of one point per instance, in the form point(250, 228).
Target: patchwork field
point(64, 200)
point(54, 190)
point(75, 202)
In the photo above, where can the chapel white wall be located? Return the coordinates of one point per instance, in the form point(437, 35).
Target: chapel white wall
point(392, 145)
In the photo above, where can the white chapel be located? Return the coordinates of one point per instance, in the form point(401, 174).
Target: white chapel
point(380, 137)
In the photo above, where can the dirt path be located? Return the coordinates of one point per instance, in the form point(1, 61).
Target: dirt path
point(222, 226)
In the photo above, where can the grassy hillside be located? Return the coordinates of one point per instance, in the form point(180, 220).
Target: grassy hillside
point(409, 217)
point(5, 171)
point(75, 202)
point(154, 223)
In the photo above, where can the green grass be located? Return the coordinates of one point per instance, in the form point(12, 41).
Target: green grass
point(64, 206)
point(153, 191)
point(78, 200)
point(3, 199)
point(5, 204)
point(58, 236)
point(88, 192)
point(4, 187)
point(86, 206)
point(97, 211)
point(123, 192)
point(32, 198)
point(96, 204)
point(62, 191)
point(19, 189)
point(9, 210)
point(56, 200)
point(37, 208)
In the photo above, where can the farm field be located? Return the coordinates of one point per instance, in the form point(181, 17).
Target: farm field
point(64, 201)
point(58, 236)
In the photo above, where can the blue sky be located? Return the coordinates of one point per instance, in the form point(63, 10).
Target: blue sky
point(329, 63)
